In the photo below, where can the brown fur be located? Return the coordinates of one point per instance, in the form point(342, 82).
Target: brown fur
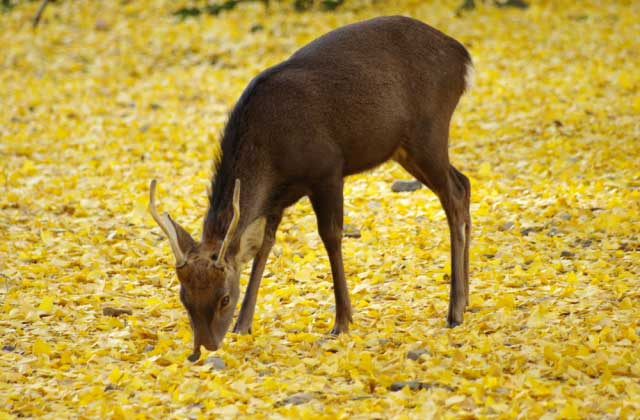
point(352, 99)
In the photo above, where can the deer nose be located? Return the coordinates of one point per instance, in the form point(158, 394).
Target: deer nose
point(206, 339)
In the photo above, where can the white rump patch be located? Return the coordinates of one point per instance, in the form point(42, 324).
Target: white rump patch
point(469, 76)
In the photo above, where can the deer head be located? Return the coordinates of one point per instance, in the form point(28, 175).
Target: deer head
point(209, 274)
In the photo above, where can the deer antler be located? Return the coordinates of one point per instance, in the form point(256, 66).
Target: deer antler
point(165, 223)
point(232, 226)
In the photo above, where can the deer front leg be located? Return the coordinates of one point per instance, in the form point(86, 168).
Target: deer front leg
point(247, 310)
point(327, 203)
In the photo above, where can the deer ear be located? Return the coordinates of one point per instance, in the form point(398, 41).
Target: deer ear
point(185, 241)
point(251, 241)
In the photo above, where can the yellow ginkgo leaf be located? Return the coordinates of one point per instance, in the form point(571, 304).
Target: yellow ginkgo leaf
point(41, 347)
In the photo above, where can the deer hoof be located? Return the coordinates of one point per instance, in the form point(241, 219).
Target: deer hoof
point(338, 329)
point(455, 316)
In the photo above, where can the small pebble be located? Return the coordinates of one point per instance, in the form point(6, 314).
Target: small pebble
point(361, 397)
point(566, 254)
point(216, 362)
point(295, 399)
point(374, 205)
point(109, 311)
point(8, 347)
point(519, 4)
point(415, 354)
point(404, 186)
point(417, 385)
point(553, 232)
point(526, 231)
point(413, 385)
point(507, 226)
point(351, 231)
point(421, 219)
point(101, 25)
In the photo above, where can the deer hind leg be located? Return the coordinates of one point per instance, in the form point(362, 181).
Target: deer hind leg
point(327, 202)
point(455, 204)
point(429, 163)
point(464, 181)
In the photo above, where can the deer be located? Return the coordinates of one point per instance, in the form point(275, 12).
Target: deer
point(363, 94)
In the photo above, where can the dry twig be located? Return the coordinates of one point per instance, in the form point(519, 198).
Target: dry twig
point(36, 18)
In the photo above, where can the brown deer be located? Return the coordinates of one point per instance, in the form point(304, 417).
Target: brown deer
point(352, 99)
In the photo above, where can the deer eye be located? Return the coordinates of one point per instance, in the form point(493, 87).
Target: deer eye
point(224, 302)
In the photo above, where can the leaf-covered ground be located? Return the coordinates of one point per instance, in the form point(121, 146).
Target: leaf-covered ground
point(106, 95)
